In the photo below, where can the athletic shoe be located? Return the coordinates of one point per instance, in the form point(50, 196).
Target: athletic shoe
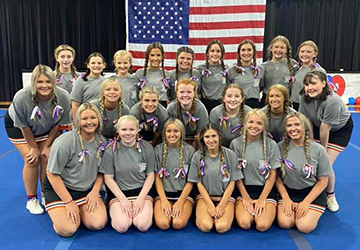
point(34, 207)
point(42, 199)
point(332, 204)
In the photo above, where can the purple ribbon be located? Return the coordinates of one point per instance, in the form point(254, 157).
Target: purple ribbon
point(180, 172)
point(270, 135)
point(57, 111)
point(202, 168)
point(333, 86)
point(264, 169)
point(59, 81)
point(223, 73)
point(101, 148)
point(36, 114)
point(154, 120)
point(194, 79)
point(242, 163)
point(115, 121)
point(240, 68)
point(287, 163)
point(163, 172)
point(113, 143)
point(257, 71)
point(223, 118)
point(206, 72)
point(105, 120)
point(83, 75)
point(308, 170)
point(236, 128)
point(165, 82)
point(142, 82)
point(193, 118)
point(315, 65)
point(224, 171)
point(73, 79)
point(83, 153)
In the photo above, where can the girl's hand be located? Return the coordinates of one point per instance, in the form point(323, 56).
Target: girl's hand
point(138, 206)
point(302, 209)
point(166, 207)
point(287, 207)
point(127, 208)
point(211, 210)
point(219, 211)
point(72, 212)
point(177, 209)
point(249, 205)
point(92, 201)
point(259, 208)
point(33, 156)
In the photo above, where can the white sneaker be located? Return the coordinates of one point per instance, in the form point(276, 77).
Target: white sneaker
point(42, 199)
point(34, 207)
point(332, 204)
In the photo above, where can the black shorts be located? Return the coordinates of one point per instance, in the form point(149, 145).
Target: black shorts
point(174, 196)
point(255, 192)
point(52, 200)
point(130, 195)
point(338, 140)
point(298, 195)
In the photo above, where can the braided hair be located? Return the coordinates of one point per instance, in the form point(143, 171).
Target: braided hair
point(186, 81)
point(238, 61)
point(183, 49)
point(286, 105)
point(143, 92)
point(154, 45)
point(222, 48)
point(57, 51)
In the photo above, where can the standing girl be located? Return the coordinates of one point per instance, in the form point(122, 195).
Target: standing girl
point(246, 74)
point(129, 176)
point(184, 69)
point(307, 53)
point(280, 67)
point(230, 115)
point(258, 198)
point(65, 71)
point(129, 82)
point(111, 106)
point(156, 75)
point(173, 205)
point(214, 170)
point(87, 87)
point(150, 114)
point(32, 124)
point(331, 120)
point(305, 169)
point(214, 75)
point(189, 110)
point(73, 183)
point(276, 109)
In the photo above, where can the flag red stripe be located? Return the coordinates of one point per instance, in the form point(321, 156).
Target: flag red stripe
point(227, 9)
point(227, 25)
point(225, 40)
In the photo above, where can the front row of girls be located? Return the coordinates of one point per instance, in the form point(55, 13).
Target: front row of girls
point(230, 182)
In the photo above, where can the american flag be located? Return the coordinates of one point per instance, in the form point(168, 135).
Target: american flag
point(194, 23)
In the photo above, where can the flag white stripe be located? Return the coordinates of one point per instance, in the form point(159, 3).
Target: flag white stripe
point(214, 18)
point(225, 33)
point(219, 3)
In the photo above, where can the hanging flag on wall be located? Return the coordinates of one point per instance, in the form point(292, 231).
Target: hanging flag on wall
point(193, 23)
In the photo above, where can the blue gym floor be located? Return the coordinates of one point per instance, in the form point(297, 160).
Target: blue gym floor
point(20, 230)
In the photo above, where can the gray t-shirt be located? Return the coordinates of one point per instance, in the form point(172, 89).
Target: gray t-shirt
point(200, 112)
point(128, 165)
point(277, 73)
point(22, 107)
point(277, 124)
point(253, 155)
point(213, 180)
point(110, 118)
point(160, 113)
point(154, 78)
point(86, 91)
point(64, 161)
point(66, 80)
point(181, 75)
point(175, 181)
point(212, 86)
point(233, 128)
point(129, 89)
point(247, 81)
point(296, 179)
point(298, 85)
point(332, 111)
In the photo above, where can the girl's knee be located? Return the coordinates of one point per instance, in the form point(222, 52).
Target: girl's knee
point(305, 228)
point(66, 230)
point(179, 223)
point(222, 227)
point(243, 223)
point(263, 225)
point(121, 227)
point(285, 224)
point(96, 224)
point(204, 226)
point(163, 224)
point(144, 226)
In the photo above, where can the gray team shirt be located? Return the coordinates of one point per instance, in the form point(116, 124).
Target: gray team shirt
point(128, 165)
point(253, 155)
point(181, 75)
point(200, 112)
point(160, 113)
point(213, 180)
point(277, 125)
point(153, 78)
point(247, 81)
point(332, 111)
point(172, 184)
point(110, 118)
point(296, 179)
point(228, 136)
point(212, 86)
point(276, 73)
point(298, 85)
point(86, 91)
point(64, 161)
point(66, 80)
point(129, 89)
point(22, 107)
